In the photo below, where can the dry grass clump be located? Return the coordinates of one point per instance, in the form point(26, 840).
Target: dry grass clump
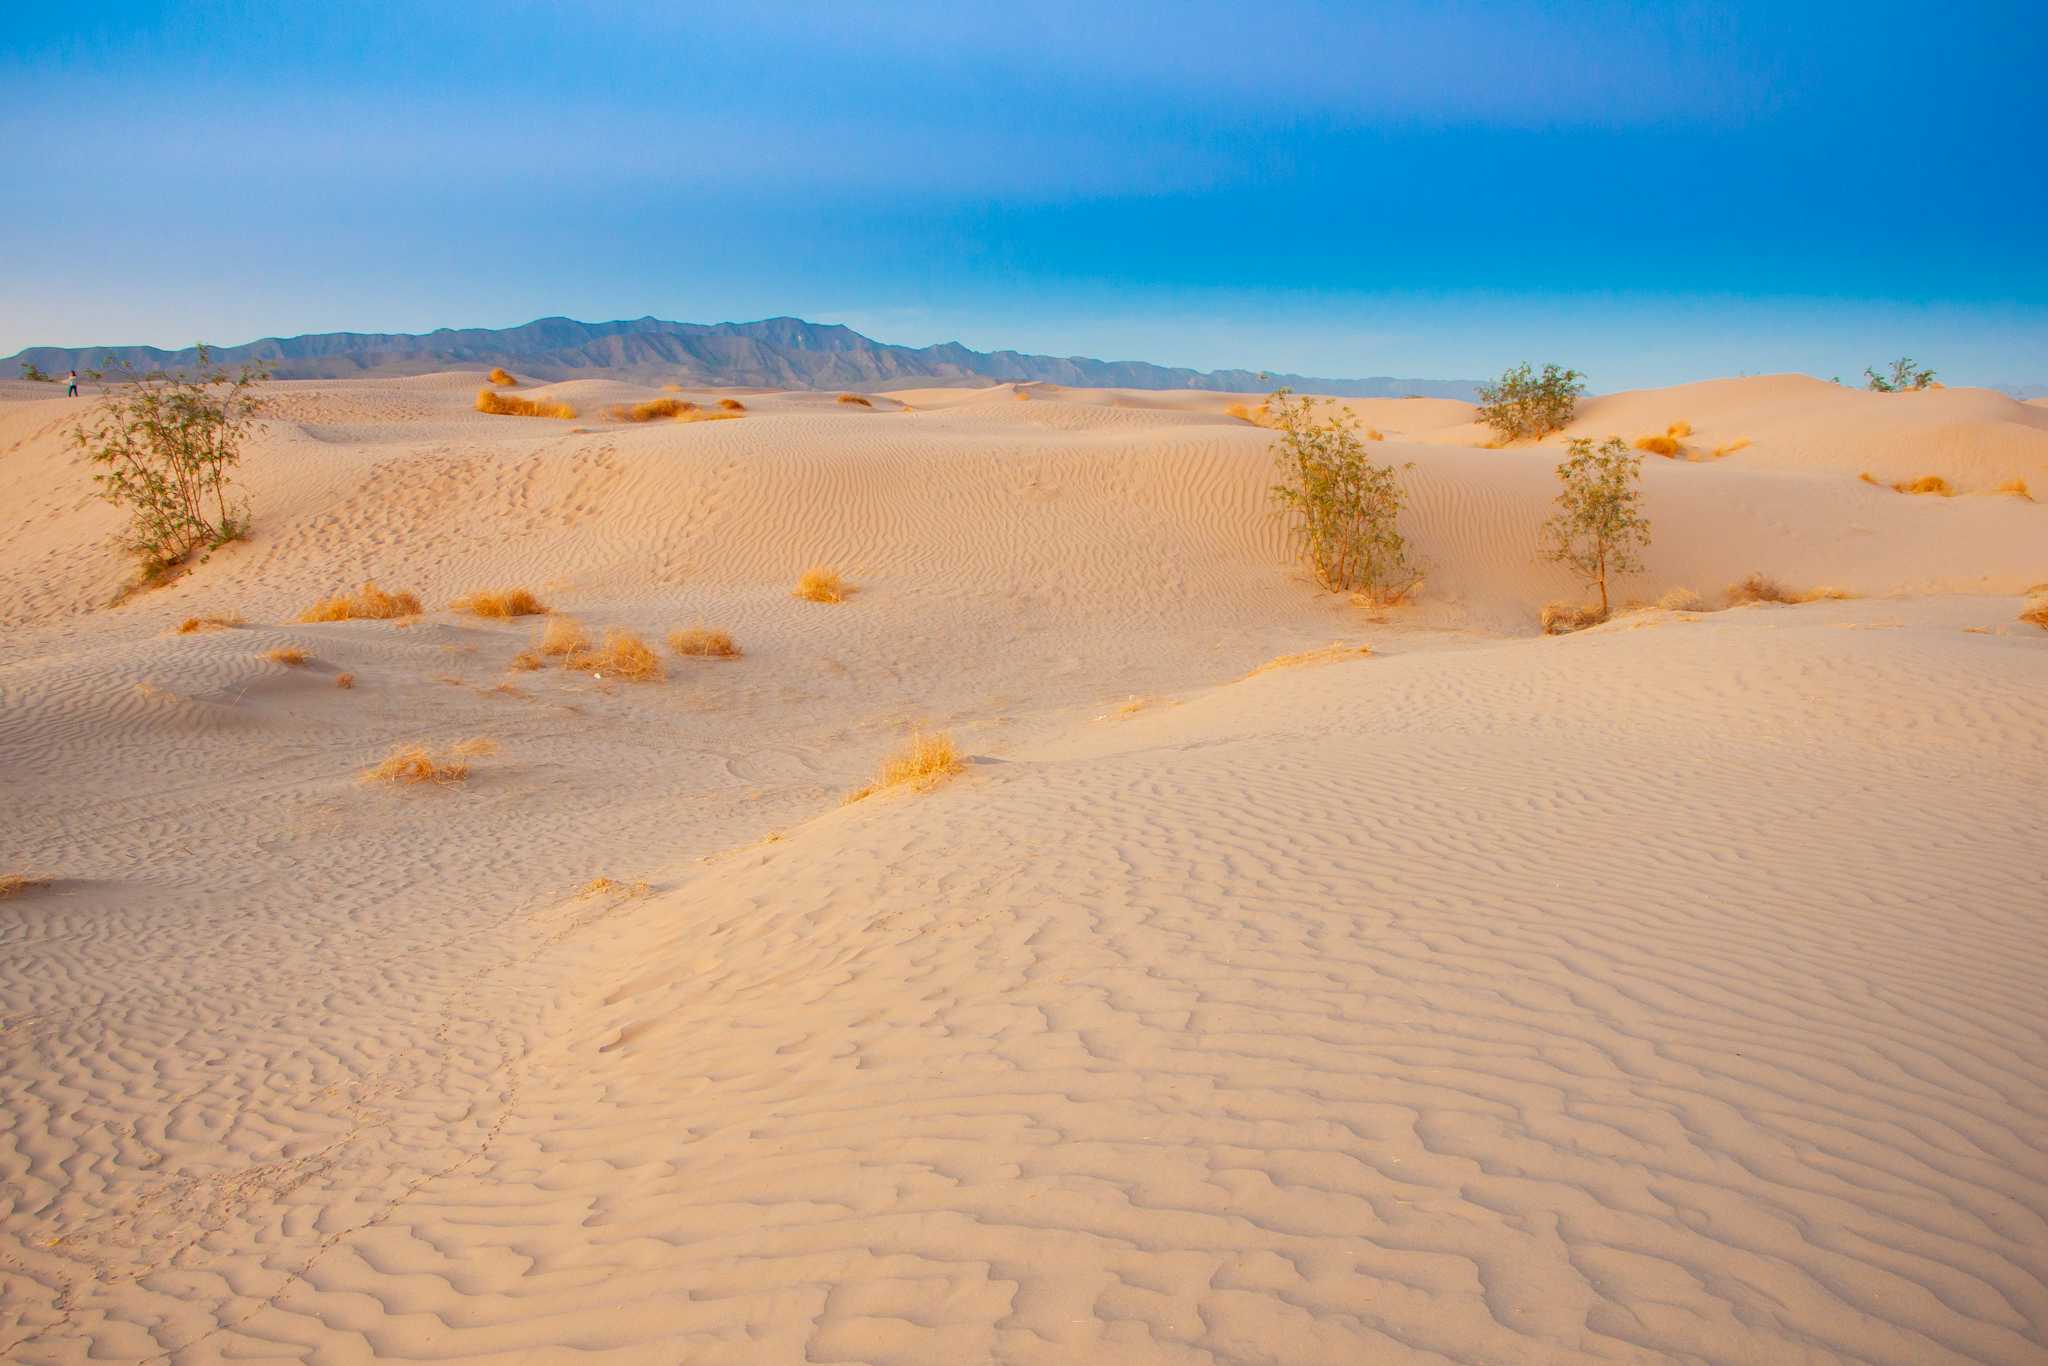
point(732, 405)
point(2016, 487)
point(820, 584)
point(1927, 484)
point(2036, 614)
point(474, 748)
point(526, 660)
point(416, 764)
point(511, 405)
point(506, 602)
point(1328, 654)
point(703, 642)
point(368, 603)
point(929, 761)
point(1678, 431)
point(14, 884)
point(1666, 446)
point(623, 655)
point(605, 886)
point(855, 399)
point(344, 681)
point(1763, 588)
point(1259, 417)
point(1682, 600)
point(1375, 434)
point(650, 410)
point(561, 636)
point(500, 375)
point(291, 656)
point(1740, 443)
point(1562, 618)
point(194, 625)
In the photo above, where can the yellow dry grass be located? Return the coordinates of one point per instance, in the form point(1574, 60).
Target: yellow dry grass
point(511, 405)
point(1763, 588)
point(1678, 431)
point(1328, 654)
point(1258, 416)
point(1665, 446)
point(560, 636)
point(14, 884)
point(1932, 484)
point(623, 655)
point(344, 681)
point(414, 764)
point(732, 405)
point(703, 642)
point(368, 603)
point(1740, 443)
point(929, 760)
point(527, 660)
point(1682, 600)
point(2017, 488)
point(501, 604)
point(291, 656)
point(605, 886)
point(474, 748)
point(194, 625)
point(650, 410)
point(1375, 434)
point(820, 584)
point(1021, 394)
point(2036, 614)
point(855, 399)
point(1562, 618)
point(500, 375)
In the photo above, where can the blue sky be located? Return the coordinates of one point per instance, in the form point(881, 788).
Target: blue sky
point(1652, 193)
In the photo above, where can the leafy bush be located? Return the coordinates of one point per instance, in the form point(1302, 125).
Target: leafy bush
point(167, 444)
point(1904, 377)
point(1349, 508)
point(1598, 527)
point(31, 371)
point(1528, 404)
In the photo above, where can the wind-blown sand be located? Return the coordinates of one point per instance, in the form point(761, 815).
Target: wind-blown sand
point(1677, 990)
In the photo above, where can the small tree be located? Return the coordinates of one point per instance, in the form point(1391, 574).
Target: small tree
point(1902, 378)
point(30, 370)
point(1599, 527)
point(1528, 404)
point(166, 445)
point(1349, 508)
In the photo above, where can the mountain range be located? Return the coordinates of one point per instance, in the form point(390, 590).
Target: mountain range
point(778, 353)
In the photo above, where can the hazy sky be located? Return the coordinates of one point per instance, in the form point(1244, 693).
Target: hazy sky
point(1652, 193)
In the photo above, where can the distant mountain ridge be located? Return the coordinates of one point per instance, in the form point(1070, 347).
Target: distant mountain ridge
point(779, 353)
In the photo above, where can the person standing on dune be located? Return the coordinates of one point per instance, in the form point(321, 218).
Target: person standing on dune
point(71, 385)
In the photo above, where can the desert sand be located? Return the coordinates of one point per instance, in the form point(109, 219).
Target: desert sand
point(1676, 990)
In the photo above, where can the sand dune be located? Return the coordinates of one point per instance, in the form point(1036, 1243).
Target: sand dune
point(1670, 991)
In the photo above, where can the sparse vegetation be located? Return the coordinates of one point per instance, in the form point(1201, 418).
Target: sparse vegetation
point(501, 605)
point(14, 884)
point(166, 445)
point(2036, 614)
point(703, 642)
point(855, 399)
point(1666, 446)
point(512, 405)
point(36, 373)
point(651, 409)
point(194, 625)
point(1328, 654)
point(1678, 431)
point(1348, 509)
point(732, 405)
point(291, 656)
point(413, 764)
point(368, 603)
point(1682, 600)
point(1905, 376)
point(1258, 417)
point(928, 761)
point(1525, 404)
point(527, 660)
point(474, 748)
point(2017, 488)
point(1738, 444)
point(1931, 484)
point(623, 655)
point(344, 681)
point(604, 886)
point(820, 584)
point(500, 375)
point(1599, 526)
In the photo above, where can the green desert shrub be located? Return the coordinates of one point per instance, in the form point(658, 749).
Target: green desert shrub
point(1904, 376)
point(1599, 526)
point(1347, 508)
point(1526, 404)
